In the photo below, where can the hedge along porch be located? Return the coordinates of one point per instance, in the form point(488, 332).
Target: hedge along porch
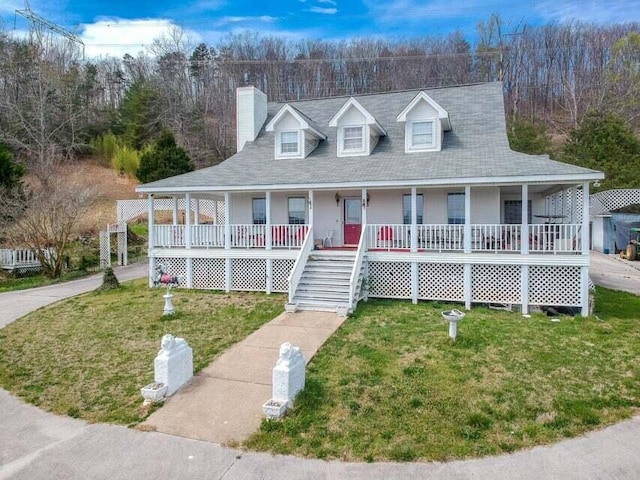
point(412, 195)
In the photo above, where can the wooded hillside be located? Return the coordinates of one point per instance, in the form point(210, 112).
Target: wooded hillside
point(53, 103)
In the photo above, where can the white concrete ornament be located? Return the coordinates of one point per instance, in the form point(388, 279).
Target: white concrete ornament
point(174, 363)
point(288, 380)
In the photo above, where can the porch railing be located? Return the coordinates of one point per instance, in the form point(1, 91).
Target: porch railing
point(430, 237)
point(242, 236)
point(357, 269)
point(10, 258)
point(543, 238)
point(301, 262)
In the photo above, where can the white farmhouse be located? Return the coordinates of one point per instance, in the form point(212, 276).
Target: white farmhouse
point(411, 194)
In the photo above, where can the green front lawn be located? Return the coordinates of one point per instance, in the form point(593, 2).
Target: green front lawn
point(389, 385)
point(88, 356)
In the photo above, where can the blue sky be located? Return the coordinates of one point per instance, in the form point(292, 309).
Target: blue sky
point(116, 27)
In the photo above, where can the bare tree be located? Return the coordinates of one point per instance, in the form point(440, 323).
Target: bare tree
point(45, 219)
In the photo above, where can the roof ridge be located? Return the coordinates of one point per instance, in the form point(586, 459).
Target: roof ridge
point(407, 90)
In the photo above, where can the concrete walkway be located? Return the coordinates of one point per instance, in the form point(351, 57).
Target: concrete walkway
point(224, 402)
point(35, 445)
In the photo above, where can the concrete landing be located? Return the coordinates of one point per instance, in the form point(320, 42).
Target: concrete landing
point(224, 402)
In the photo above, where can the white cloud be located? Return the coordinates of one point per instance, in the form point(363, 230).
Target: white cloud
point(240, 19)
point(115, 37)
point(323, 10)
point(588, 11)
point(330, 2)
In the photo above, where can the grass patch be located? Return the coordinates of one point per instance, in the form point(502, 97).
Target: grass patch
point(10, 283)
point(390, 385)
point(88, 356)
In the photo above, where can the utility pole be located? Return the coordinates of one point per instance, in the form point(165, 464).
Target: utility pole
point(37, 20)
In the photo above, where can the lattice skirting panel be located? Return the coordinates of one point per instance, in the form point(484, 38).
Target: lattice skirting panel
point(495, 284)
point(438, 281)
point(208, 273)
point(548, 285)
point(176, 267)
point(280, 271)
point(249, 274)
point(390, 279)
point(554, 285)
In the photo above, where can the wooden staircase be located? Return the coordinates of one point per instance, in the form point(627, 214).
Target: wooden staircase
point(324, 285)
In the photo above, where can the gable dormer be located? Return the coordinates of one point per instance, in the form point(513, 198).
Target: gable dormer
point(295, 134)
point(357, 130)
point(425, 122)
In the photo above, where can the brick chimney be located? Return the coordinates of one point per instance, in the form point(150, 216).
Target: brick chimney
point(251, 113)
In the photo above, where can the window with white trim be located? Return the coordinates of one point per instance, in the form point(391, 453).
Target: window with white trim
point(406, 208)
point(353, 139)
point(455, 208)
point(289, 143)
point(422, 134)
point(259, 211)
point(297, 210)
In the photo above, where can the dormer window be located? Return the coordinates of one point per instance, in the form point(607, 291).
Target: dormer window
point(353, 139)
point(289, 144)
point(425, 121)
point(358, 130)
point(422, 135)
point(295, 134)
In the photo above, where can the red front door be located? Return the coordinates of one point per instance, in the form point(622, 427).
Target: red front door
point(352, 220)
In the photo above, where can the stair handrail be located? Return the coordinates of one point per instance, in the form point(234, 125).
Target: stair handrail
point(357, 266)
point(301, 262)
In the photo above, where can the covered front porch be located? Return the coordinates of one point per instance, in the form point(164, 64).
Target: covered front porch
point(483, 219)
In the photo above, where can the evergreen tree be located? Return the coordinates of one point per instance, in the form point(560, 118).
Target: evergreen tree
point(164, 160)
point(137, 118)
point(528, 137)
point(11, 172)
point(605, 142)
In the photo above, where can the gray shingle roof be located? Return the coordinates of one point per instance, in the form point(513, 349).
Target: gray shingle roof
point(476, 147)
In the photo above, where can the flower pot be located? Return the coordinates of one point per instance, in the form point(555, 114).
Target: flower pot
point(274, 409)
point(154, 392)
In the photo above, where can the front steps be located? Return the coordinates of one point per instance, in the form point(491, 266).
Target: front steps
point(324, 285)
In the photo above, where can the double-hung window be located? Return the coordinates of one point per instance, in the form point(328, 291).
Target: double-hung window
point(455, 208)
point(259, 208)
point(406, 208)
point(422, 134)
point(297, 210)
point(353, 139)
point(289, 143)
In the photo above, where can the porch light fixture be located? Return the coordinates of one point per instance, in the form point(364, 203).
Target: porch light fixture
point(368, 200)
point(337, 197)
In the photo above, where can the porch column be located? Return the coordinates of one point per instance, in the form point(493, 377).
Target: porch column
point(175, 210)
point(310, 201)
point(196, 215)
point(585, 249)
point(524, 250)
point(187, 238)
point(364, 208)
point(227, 220)
point(151, 241)
point(187, 220)
point(467, 219)
point(574, 204)
point(585, 218)
point(414, 220)
point(267, 203)
point(524, 222)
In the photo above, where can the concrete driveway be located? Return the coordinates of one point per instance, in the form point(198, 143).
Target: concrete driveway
point(14, 305)
point(611, 271)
